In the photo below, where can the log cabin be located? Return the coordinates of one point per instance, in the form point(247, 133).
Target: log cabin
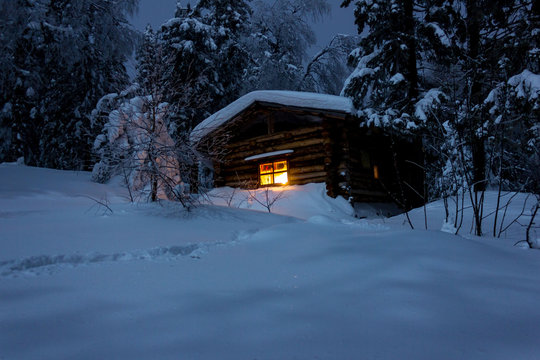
point(276, 138)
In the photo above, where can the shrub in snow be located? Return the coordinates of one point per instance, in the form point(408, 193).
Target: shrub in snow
point(135, 143)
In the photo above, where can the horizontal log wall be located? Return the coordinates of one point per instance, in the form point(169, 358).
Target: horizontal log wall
point(306, 162)
point(331, 150)
point(361, 184)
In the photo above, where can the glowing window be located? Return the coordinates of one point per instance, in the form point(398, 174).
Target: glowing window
point(266, 168)
point(281, 178)
point(274, 173)
point(375, 172)
point(267, 179)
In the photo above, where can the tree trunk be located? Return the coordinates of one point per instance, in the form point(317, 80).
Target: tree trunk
point(154, 188)
point(531, 243)
point(412, 70)
point(475, 95)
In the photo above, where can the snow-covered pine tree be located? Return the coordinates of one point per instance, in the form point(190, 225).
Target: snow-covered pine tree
point(439, 27)
point(384, 85)
point(67, 55)
point(149, 56)
point(513, 105)
point(14, 16)
point(189, 52)
point(31, 61)
point(204, 56)
point(389, 86)
point(231, 20)
point(483, 45)
point(103, 40)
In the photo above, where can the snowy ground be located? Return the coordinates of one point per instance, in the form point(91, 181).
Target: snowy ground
point(152, 282)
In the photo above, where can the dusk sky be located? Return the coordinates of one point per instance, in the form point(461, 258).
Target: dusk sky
point(340, 21)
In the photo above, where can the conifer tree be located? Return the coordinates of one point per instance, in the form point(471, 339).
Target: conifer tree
point(149, 56)
point(231, 19)
point(189, 53)
point(205, 58)
point(385, 83)
point(512, 107)
point(66, 55)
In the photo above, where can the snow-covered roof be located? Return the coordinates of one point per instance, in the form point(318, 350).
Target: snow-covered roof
point(287, 98)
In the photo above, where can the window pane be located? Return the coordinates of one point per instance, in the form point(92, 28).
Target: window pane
point(281, 178)
point(267, 179)
point(266, 168)
point(280, 166)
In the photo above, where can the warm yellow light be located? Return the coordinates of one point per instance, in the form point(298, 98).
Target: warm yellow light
point(266, 168)
point(274, 173)
point(267, 179)
point(375, 172)
point(281, 178)
point(280, 166)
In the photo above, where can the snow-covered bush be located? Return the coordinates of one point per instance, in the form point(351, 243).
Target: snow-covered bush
point(136, 144)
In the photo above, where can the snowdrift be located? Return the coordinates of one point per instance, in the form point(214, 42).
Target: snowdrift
point(147, 281)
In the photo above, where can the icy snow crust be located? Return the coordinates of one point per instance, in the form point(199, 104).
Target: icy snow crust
point(306, 282)
point(288, 98)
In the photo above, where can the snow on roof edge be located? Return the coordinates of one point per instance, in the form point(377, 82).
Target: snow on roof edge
point(288, 98)
point(268, 154)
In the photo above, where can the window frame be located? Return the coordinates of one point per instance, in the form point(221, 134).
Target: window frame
point(273, 172)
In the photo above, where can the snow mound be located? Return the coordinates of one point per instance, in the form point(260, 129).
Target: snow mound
point(21, 180)
point(299, 201)
point(322, 220)
point(514, 211)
